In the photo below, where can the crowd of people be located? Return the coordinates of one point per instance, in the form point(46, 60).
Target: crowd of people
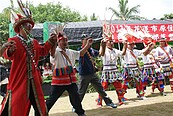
point(25, 83)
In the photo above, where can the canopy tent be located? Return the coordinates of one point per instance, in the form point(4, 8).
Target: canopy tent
point(74, 30)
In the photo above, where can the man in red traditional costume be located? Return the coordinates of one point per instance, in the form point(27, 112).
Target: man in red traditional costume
point(24, 88)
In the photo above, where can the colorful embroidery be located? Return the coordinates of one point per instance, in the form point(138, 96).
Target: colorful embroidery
point(63, 71)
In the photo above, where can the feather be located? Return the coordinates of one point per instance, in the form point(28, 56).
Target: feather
point(21, 6)
point(59, 28)
point(13, 16)
point(24, 10)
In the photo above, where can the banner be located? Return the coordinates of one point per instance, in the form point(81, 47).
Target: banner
point(156, 30)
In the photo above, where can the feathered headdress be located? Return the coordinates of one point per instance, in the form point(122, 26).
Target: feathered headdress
point(20, 18)
point(59, 31)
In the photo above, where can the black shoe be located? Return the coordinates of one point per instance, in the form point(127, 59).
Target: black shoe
point(112, 105)
point(163, 93)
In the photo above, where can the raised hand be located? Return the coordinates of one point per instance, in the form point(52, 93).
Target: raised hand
point(103, 43)
point(9, 44)
point(52, 39)
point(89, 41)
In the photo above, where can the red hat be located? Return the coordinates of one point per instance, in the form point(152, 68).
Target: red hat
point(130, 38)
point(147, 40)
point(61, 36)
point(21, 20)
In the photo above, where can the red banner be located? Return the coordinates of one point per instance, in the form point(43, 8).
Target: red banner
point(156, 30)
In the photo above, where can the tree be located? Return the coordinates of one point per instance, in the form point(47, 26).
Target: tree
point(93, 17)
point(167, 16)
point(41, 14)
point(126, 13)
point(57, 12)
point(4, 23)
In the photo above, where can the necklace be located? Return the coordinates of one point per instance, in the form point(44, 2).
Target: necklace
point(29, 47)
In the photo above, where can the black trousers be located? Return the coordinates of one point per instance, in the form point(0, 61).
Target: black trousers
point(32, 101)
point(84, 81)
point(57, 91)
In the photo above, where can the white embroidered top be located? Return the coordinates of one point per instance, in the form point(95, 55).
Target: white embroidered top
point(160, 52)
point(110, 58)
point(129, 60)
point(59, 61)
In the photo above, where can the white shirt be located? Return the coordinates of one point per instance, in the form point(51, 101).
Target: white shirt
point(129, 58)
point(160, 52)
point(110, 58)
point(149, 58)
point(59, 61)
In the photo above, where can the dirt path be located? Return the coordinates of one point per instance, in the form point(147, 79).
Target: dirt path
point(155, 104)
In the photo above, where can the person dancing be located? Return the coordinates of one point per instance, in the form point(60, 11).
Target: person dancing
point(164, 53)
point(110, 73)
point(24, 88)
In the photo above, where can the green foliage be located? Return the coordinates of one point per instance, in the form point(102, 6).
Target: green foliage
point(41, 13)
point(167, 16)
point(3, 60)
point(126, 13)
point(93, 17)
point(99, 63)
point(4, 25)
point(140, 62)
point(55, 12)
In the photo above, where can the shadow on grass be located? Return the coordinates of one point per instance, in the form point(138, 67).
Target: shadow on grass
point(158, 109)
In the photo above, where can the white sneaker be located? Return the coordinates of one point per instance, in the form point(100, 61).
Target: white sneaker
point(142, 98)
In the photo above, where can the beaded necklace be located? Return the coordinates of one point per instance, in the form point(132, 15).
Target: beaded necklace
point(29, 47)
point(91, 59)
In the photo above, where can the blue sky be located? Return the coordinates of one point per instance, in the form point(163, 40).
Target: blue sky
point(149, 8)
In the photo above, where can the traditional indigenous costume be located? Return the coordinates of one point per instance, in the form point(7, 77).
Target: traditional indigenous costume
point(111, 74)
point(132, 73)
point(25, 81)
point(165, 66)
point(151, 73)
point(64, 78)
